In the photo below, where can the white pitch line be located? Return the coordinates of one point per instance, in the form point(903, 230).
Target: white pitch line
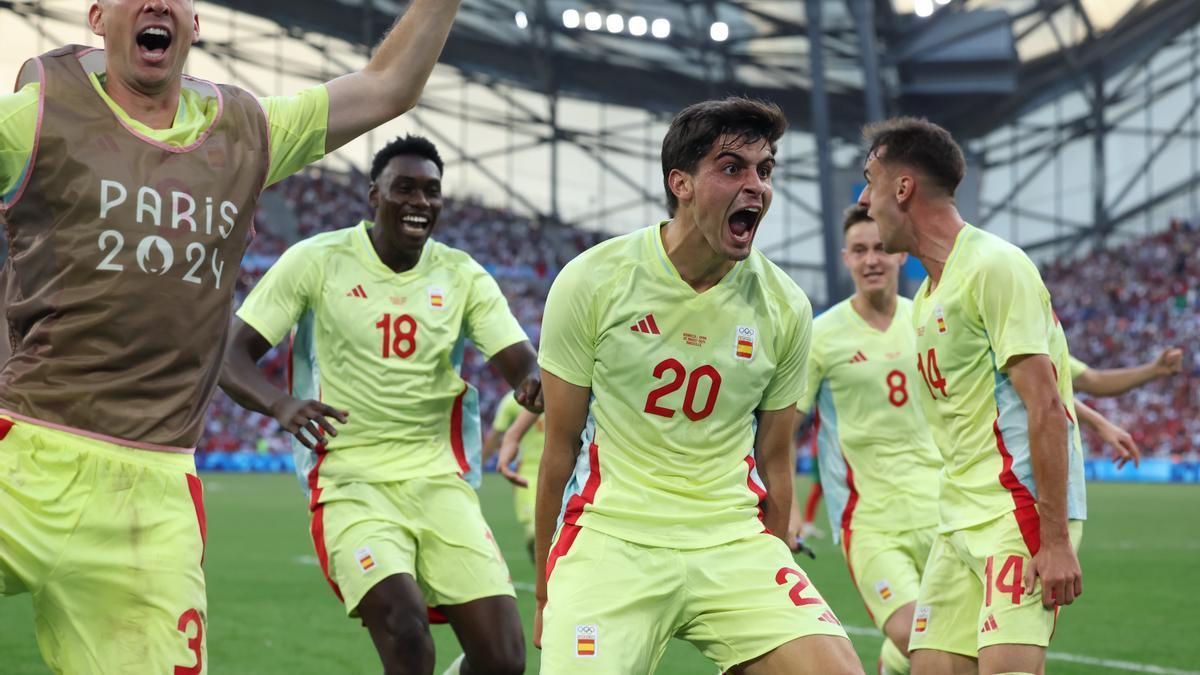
point(1112, 664)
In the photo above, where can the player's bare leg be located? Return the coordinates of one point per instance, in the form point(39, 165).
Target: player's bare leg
point(808, 655)
point(899, 625)
point(394, 613)
point(934, 662)
point(1004, 659)
point(489, 630)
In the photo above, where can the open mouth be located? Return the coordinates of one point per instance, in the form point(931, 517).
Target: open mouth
point(742, 223)
point(416, 225)
point(153, 43)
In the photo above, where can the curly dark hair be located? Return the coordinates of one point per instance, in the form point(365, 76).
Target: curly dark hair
point(920, 144)
point(405, 145)
point(698, 126)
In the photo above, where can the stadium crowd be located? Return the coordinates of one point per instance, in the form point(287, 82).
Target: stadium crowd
point(1149, 300)
point(1121, 306)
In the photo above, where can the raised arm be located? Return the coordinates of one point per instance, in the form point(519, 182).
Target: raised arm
point(1117, 381)
point(248, 387)
point(1055, 562)
point(566, 415)
point(391, 83)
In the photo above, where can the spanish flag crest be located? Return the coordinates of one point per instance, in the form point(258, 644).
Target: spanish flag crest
point(437, 298)
point(941, 319)
point(585, 639)
point(365, 560)
point(744, 340)
point(921, 620)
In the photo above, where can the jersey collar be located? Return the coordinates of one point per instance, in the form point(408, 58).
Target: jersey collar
point(371, 259)
point(668, 268)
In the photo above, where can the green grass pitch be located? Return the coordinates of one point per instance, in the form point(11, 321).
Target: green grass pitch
point(270, 610)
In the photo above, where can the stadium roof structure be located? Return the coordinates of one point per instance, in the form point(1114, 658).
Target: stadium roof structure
point(1000, 54)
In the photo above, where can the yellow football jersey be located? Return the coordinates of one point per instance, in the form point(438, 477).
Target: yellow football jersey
point(388, 348)
point(990, 306)
point(676, 377)
point(879, 464)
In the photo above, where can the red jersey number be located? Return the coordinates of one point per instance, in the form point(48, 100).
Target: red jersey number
point(678, 375)
point(897, 383)
point(399, 335)
point(931, 374)
point(195, 644)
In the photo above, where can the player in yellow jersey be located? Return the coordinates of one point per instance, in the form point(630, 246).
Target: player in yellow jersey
point(381, 312)
point(989, 353)
point(127, 196)
point(524, 438)
point(673, 358)
point(879, 464)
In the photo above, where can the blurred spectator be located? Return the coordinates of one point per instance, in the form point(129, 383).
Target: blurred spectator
point(1120, 306)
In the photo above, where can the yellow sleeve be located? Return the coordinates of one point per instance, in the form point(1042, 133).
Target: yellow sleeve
point(814, 373)
point(18, 125)
point(506, 413)
point(297, 126)
point(568, 346)
point(289, 288)
point(1014, 307)
point(1077, 367)
point(490, 323)
point(794, 340)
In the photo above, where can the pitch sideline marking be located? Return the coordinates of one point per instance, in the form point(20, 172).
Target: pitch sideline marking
point(1127, 666)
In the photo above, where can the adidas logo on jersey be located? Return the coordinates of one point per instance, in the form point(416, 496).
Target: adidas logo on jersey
point(646, 325)
point(989, 624)
point(858, 357)
point(357, 292)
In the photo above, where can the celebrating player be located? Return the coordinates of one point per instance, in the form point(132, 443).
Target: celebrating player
point(524, 438)
point(128, 193)
point(381, 312)
point(879, 463)
point(677, 354)
point(988, 353)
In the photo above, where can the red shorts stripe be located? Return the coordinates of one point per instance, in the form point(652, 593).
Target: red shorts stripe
point(318, 520)
point(456, 436)
point(758, 491)
point(570, 530)
point(196, 490)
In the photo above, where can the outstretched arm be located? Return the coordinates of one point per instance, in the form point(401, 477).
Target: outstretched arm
point(1117, 381)
point(391, 83)
point(248, 387)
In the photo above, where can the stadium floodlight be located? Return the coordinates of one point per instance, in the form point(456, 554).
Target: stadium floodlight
point(638, 26)
point(571, 18)
point(719, 31)
point(522, 20)
point(593, 21)
point(923, 8)
point(660, 28)
point(942, 2)
point(615, 23)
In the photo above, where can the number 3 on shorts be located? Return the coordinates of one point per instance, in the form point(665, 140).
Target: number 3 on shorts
point(194, 643)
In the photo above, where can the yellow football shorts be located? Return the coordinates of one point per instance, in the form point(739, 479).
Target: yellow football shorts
point(886, 567)
point(430, 528)
point(971, 595)
point(108, 540)
point(613, 605)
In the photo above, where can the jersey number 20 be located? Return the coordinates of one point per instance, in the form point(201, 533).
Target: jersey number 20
point(678, 374)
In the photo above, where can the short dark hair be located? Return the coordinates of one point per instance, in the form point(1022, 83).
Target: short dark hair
point(405, 145)
point(854, 215)
point(698, 126)
point(921, 144)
